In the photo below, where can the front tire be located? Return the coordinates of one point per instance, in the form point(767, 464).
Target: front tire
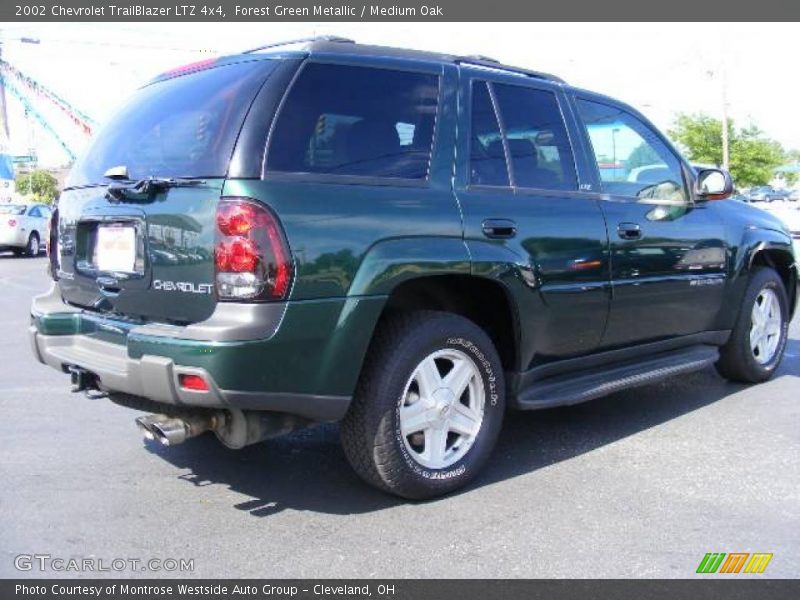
point(755, 348)
point(429, 405)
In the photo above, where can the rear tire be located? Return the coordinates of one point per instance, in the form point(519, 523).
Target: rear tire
point(429, 405)
point(33, 248)
point(755, 348)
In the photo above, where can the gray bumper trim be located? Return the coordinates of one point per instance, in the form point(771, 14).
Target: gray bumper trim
point(230, 321)
point(156, 378)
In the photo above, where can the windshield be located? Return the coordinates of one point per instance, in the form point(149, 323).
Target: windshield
point(12, 209)
point(180, 127)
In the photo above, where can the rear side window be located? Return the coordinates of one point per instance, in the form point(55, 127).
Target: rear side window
point(487, 156)
point(181, 127)
point(363, 121)
point(538, 144)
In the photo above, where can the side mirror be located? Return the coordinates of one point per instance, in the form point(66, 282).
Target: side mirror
point(713, 184)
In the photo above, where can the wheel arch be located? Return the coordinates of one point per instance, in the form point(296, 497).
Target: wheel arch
point(779, 257)
point(486, 302)
point(422, 273)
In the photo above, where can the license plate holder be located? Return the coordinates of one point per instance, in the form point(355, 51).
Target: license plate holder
point(115, 248)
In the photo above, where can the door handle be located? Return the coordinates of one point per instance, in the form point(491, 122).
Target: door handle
point(629, 231)
point(499, 228)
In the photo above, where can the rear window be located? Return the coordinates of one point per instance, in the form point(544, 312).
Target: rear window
point(180, 127)
point(12, 209)
point(363, 121)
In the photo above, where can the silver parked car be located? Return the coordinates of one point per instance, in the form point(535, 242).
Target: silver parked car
point(23, 228)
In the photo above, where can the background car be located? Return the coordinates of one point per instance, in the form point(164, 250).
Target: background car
point(23, 228)
point(766, 193)
point(794, 195)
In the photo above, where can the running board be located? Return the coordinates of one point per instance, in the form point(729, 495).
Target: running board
point(588, 385)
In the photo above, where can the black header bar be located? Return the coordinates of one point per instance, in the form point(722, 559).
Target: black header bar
point(399, 10)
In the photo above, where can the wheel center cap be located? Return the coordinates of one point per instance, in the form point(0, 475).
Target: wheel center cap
point(443, 399)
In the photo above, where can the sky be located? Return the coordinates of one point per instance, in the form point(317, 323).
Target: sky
point(660, 68)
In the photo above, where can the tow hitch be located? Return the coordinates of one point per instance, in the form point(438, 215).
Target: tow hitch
point(81, 379)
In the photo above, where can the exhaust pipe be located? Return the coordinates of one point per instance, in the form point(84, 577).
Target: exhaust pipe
point(234, 428)
point(172, 431)
point(145, 425)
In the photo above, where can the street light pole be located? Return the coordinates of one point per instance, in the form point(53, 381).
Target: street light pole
point(725, 141)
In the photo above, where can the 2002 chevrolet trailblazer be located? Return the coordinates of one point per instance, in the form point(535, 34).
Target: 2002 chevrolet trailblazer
point(406, 242)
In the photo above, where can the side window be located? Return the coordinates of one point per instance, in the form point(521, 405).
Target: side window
point(344, 120)
point(34, 212)
point(487, 159)
point(631, 159)
point(538, 144)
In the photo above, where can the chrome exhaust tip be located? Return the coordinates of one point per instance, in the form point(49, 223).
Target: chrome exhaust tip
point(145, 425)
point(170, 432)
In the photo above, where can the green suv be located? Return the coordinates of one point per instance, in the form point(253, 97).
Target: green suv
point(409, 243)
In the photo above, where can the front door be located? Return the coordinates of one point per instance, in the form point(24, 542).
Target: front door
point(524, 218)
point(668, 254)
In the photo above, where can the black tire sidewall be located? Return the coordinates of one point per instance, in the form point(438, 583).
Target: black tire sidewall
point(754, 371)
point(29, 248)
point(440, 332)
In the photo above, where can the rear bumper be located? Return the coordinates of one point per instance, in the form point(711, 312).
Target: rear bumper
point(156, 378)
point(146, 361)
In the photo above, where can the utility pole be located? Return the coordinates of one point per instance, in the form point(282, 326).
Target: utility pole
point(726, 158)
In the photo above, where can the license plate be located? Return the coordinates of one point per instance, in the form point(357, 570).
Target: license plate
point(115, 249)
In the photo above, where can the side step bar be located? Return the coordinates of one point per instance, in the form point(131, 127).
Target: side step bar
point(574, 388)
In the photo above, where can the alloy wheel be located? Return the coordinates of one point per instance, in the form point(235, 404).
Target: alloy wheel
point(441, 409)
point(766, 325)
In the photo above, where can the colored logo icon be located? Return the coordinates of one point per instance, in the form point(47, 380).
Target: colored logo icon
point(735, 562)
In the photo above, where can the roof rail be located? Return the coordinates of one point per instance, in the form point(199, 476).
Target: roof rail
point(490, 63)
point(318, 38)
point(480, 58)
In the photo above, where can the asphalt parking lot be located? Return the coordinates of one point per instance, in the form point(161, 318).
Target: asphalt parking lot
point(640, 484)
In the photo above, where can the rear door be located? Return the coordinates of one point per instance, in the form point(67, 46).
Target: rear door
point(517, 184)
point(149, 256)
point(668, 254)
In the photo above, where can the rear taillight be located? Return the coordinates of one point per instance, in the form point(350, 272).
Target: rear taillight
point(251, 256)
point(194, 383)
point(12, 222)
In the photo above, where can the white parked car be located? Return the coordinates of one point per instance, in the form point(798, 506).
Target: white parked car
point(23, 228)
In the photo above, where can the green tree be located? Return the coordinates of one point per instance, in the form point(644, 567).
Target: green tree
point(39, 184)
point(642, 156)
point(753, 157)
point(792, 158)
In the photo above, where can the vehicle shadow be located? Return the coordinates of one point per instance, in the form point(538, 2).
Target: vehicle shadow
point(308, 471)
point(13, 255)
